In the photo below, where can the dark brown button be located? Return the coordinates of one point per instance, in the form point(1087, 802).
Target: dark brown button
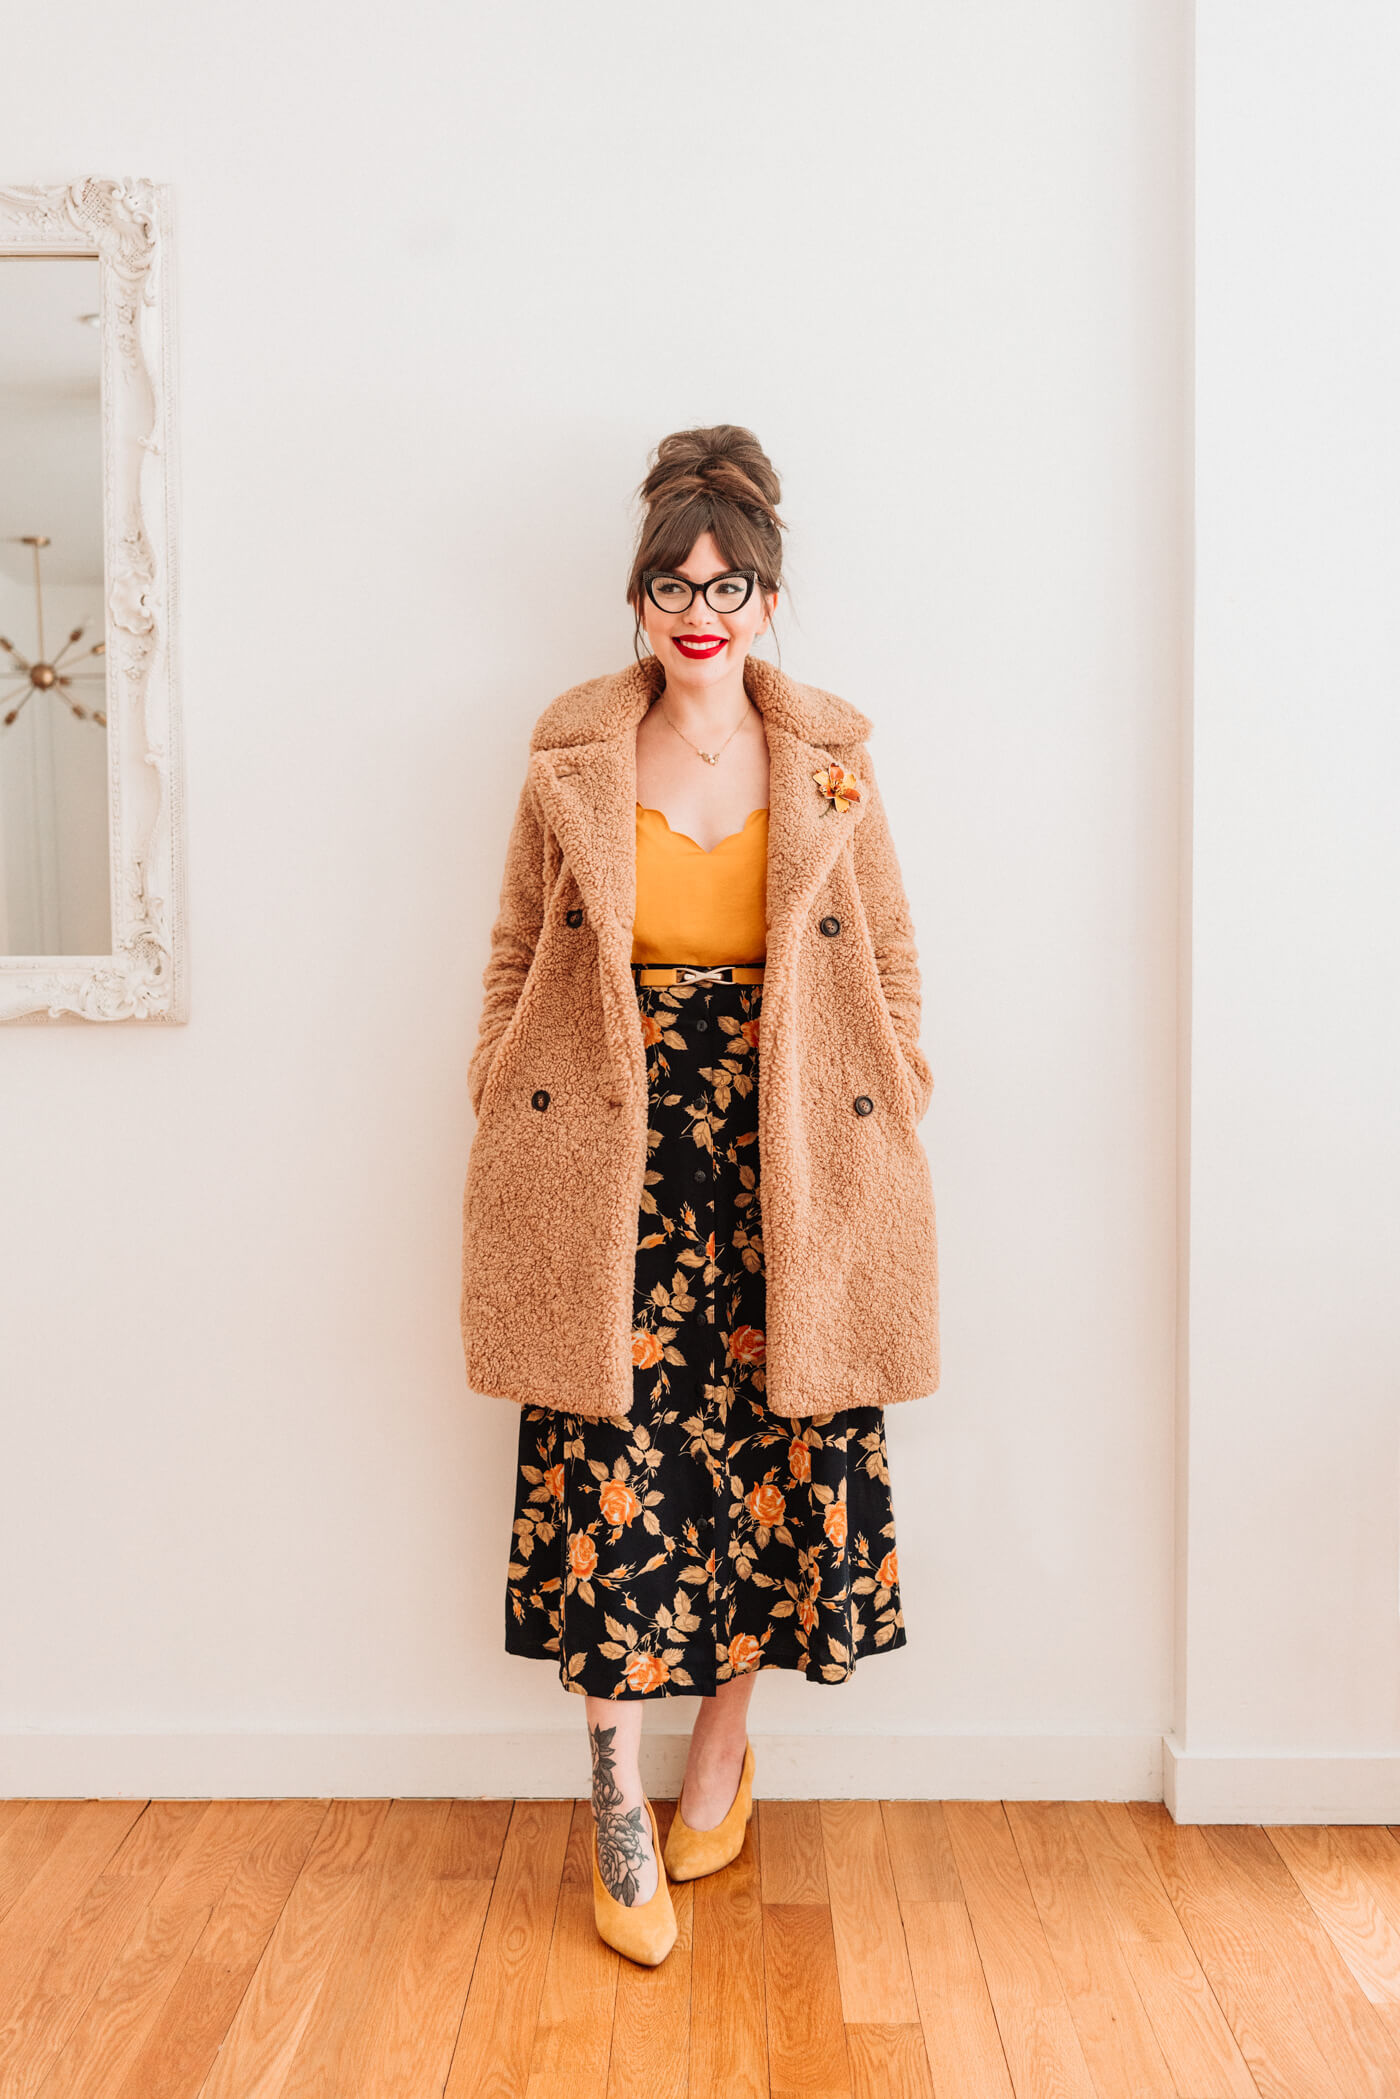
point(540, 1099)
point(573, 918)
point(831, 925)
point(863, 1104)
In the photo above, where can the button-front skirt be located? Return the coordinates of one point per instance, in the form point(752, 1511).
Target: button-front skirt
point(700, 1536)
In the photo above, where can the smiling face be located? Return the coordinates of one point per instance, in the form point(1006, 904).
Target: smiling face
point(700, 645)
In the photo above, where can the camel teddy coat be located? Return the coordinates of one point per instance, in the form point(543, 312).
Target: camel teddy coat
point(558, 1077)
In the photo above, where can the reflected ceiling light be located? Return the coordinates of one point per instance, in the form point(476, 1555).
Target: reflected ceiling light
point(20, 684)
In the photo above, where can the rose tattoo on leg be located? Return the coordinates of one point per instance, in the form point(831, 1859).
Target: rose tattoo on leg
point(624, 1834)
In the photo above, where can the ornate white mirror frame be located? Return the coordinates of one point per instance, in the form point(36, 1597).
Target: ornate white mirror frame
point(125, 225)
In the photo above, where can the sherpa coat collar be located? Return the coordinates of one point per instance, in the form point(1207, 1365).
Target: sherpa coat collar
point(584, 765)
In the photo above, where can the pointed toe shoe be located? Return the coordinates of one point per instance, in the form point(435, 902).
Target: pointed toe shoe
point(692, 1852)
point(644, 1931)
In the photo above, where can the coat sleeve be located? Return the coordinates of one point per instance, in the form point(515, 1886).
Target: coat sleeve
point(891, 929)
point(513, 936)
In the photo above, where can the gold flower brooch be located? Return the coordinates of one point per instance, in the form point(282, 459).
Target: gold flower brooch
point(839, 787)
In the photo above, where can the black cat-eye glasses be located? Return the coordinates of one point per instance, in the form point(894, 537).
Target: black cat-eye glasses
point(727, 593)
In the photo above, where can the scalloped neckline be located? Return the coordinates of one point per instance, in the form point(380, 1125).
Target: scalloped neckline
point(707, 850)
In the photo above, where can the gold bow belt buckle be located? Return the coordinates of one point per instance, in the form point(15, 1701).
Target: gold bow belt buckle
point(656, 973)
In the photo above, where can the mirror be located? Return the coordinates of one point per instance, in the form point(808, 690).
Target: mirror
point(91, 803)
point(55, 884)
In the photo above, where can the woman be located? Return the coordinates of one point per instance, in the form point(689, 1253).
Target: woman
point(699, 1246)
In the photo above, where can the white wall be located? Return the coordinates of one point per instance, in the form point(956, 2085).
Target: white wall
point(937, 256)
point(1288, 1697)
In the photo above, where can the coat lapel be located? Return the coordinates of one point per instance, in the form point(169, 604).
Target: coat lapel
point(802, 840)
point(584, 763)
point(589, 793)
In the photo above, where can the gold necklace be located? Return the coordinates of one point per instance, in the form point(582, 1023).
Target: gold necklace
point(710, 757)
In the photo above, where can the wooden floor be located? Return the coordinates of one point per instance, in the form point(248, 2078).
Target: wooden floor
point(970, 1950)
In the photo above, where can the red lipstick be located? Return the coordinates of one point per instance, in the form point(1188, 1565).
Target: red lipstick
point(700, 646)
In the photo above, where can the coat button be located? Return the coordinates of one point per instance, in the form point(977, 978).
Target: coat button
point(862, 1104)
point(573, 918)
point(831, 925)
point(540, 1099)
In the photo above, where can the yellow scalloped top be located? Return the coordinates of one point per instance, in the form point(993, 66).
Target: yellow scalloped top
point(698, 906)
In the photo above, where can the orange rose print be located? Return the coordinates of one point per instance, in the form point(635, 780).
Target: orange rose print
point(645, 1672)
point(617, 1502)
point(625, 1572)
point(583, 1555)
point(748, 1344)
point(766, 1503)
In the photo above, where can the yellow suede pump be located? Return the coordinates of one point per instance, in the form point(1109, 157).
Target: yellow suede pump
point(691, 1852)
point(644, 1931)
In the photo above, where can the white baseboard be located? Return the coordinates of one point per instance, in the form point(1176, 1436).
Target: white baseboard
point(1204, 1786)
point(555, 1765)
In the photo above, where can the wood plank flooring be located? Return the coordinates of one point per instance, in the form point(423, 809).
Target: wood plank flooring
point(857, 1949)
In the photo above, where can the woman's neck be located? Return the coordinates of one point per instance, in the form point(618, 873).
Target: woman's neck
point(705, 710)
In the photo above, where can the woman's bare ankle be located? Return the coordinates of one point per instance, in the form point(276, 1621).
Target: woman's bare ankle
point(714, 1762)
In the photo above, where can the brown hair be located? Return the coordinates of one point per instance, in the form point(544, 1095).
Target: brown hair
point(720, 481)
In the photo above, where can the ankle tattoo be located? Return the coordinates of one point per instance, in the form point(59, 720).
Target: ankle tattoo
point(623, 1833)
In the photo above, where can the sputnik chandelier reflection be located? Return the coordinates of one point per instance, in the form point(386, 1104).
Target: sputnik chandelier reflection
point(20, 684)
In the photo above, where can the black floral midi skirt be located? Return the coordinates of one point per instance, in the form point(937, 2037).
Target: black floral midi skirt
point(699, 1536)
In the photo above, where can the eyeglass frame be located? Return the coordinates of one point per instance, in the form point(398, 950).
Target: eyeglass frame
point(650, 575)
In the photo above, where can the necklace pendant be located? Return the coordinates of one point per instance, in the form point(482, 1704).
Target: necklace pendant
point(710, 757)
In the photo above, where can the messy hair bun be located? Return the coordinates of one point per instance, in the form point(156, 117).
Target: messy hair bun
point(719, 481)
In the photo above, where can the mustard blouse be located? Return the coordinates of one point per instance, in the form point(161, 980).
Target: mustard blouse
point(698, 906)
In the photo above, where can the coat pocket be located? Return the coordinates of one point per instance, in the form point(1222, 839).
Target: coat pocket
point(500, 1058)
point(892, 1053)
point(911, 1106)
